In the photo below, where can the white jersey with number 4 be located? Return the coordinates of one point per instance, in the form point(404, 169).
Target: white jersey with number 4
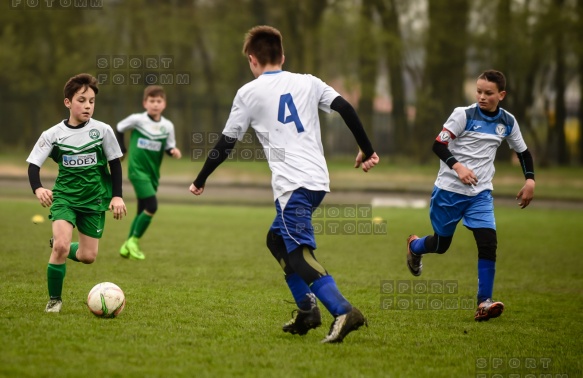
point(282, 108)
point(473, 139)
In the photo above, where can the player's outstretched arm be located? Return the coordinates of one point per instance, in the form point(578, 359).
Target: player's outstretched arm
point(367, 164)
point(352, 120)
point(215, 157)
point(196, 191)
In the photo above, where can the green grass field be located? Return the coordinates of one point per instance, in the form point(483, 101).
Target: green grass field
point(209, 301)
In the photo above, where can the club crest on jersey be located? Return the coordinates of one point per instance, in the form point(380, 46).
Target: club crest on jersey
point(94, 134)
point(83, 160)
point(500, 129)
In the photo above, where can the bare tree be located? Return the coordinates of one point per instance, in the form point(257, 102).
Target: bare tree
point(393, 47)
point(444, 72)
point(368, 65)
point(579, 50)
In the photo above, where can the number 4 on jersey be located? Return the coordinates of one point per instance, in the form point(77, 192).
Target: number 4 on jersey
point(287, 100)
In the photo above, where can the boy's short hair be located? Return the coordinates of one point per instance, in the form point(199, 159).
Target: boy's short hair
point(496, 77)
point(265, 43)
point(154, 91)
point(77, 82)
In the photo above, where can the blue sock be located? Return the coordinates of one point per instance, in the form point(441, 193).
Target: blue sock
point(327, 292)
point(299, 289)
point(486, 272)
point(418, 246)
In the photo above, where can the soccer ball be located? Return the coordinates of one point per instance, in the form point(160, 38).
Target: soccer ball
point(106, 300)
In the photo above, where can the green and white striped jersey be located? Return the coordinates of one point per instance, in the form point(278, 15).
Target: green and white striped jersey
point(148, 141)
point(82, 153)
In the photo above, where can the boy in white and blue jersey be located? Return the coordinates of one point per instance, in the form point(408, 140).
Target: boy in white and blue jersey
point(282, 108)
point(467, 148)
point(84, 189)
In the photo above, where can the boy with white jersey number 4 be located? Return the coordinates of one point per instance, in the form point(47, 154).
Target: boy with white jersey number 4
point(152, 135)
point(467, 147)
point(282, 108)
point(84, 188)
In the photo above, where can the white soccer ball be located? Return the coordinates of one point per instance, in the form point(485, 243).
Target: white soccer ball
point(106, 300)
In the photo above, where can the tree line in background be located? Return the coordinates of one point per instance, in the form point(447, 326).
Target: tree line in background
point(405, 64)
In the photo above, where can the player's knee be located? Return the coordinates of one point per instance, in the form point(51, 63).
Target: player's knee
point(150, 205)
point(276, 246)
point(86, 255)
point(487, 242)
point(438, 244)
point(61, 248)
point(443, 244)
point(304, 263)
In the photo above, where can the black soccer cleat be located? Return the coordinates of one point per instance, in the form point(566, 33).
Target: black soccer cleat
point(304, 320)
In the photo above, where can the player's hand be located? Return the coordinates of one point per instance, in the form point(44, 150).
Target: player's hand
point(368, 163)
point(118, 207)
point(526, 194)
point(466, 175)
point(45, 196)
point(176, 154)
point(196, 191)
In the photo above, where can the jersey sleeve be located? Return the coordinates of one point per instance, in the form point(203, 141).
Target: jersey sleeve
point(171, 140)
point(456, 123)
point(127, 123)
point(110, 144)
point(42, 149)
point(515, 140)
point(327, 94)
point(239, 119)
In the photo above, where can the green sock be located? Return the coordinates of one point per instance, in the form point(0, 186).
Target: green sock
point(55, 278)
point(142, 222)
point(133, 227)
point(73, 251)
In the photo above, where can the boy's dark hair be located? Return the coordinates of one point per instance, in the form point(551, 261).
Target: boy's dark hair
point(77, 82)
point(154, 91)
point(265, 43)
point(496, 77)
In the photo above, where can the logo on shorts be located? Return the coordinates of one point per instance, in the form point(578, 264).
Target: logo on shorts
point(94, 134)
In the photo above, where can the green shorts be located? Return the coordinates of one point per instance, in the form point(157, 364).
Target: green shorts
point(88, 222)
point(144, 188)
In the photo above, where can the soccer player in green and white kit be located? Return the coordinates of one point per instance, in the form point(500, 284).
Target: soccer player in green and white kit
point(151, 136)
point(84, 189)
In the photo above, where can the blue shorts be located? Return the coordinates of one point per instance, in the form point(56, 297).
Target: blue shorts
point(293, 220)
point(447, 208)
